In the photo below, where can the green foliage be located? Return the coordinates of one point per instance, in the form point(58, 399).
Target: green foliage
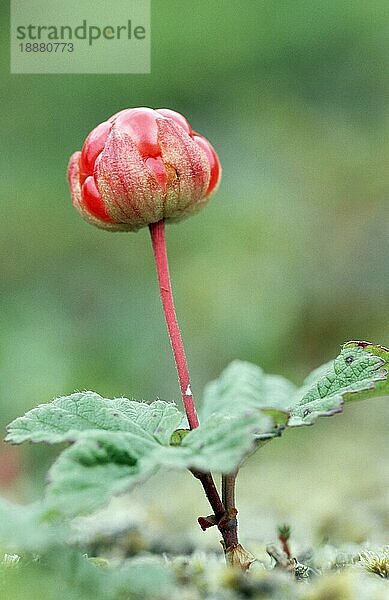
point(220, 443)
point(88, 473)
point(357, 373)
point(66, 418)
point(117, 443)
point(102, 464)
point(244, 387)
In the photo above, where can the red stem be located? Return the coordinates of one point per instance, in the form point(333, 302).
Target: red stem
point(157, 232)
point(226, 523)
point(285, 547)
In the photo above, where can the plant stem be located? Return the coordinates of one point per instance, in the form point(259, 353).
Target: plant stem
point(212, 494)
point(228, 499)
point(225, 521)
point(228, 490)
point(157, 232)
point(285, 547)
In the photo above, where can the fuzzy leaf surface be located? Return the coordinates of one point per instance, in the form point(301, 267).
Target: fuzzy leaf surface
point(98, 466)
point(244, 387)
point(66, 418)
point(359, 372)
point(115, 445)
point(220, 443)
point(102, 464)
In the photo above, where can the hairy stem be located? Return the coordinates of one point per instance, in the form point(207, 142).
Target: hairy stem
point(225, 522)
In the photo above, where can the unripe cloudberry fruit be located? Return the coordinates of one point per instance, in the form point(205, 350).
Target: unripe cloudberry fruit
point(140, 167)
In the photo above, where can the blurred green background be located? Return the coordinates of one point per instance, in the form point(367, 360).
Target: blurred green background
point(288, 261)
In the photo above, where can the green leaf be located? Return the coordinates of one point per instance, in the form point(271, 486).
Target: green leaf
point(102, 464)
point(66, 418)
point(359, 372)
point(240, 409)
point(116, 445)
point(98, 466)
point(381, 385)
point(119, 442)
point(243, 387)
point(220, 443)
